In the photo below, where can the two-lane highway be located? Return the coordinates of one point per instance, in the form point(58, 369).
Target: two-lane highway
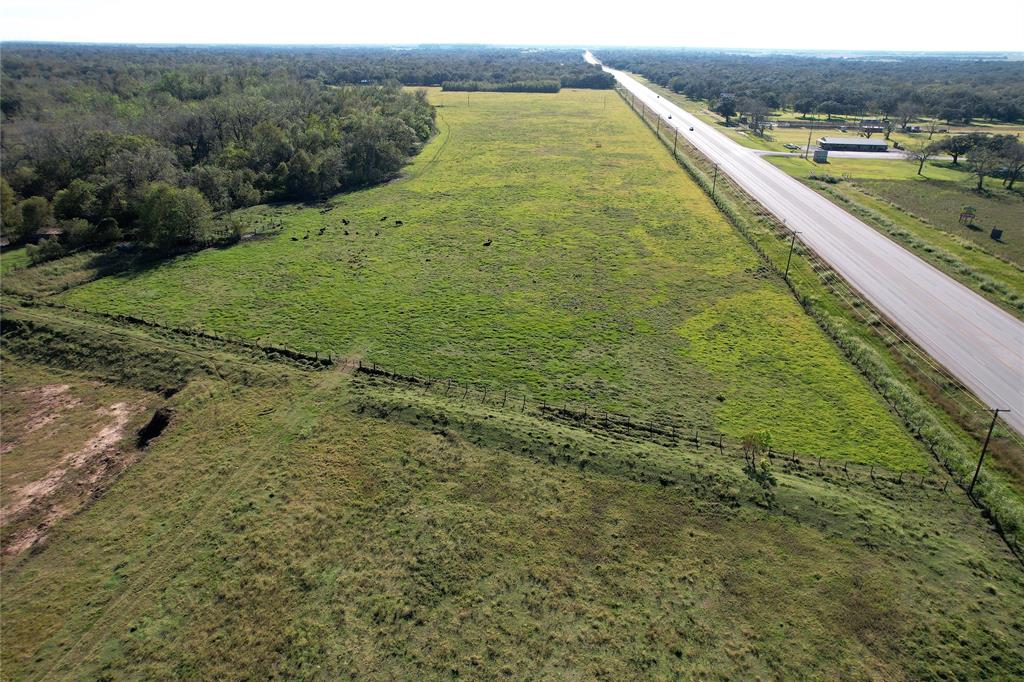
point(976, 341)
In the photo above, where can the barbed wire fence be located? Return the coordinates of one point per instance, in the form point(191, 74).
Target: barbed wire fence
point(663, 431)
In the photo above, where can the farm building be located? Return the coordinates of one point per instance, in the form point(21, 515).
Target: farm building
point(852, 144)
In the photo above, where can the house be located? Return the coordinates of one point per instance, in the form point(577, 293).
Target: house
point(872, 125)
point(852, 144)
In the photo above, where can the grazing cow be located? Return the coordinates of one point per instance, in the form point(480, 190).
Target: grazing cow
point(306, 236)
point(322, 230)
point(384, 218)
point(344, 221)
point(295, 239)
point(399, 223)
point(346, 233)
point(487, 243)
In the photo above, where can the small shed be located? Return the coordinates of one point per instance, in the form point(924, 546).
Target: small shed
point(820, 156)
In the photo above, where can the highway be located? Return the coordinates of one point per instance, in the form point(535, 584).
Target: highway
point(976, 341)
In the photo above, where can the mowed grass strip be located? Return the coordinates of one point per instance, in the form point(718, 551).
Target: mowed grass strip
point(548, 245)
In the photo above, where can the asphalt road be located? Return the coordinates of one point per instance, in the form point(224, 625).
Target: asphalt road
point(976, 341)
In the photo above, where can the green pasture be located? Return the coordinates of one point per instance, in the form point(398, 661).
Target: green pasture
point(293, 529)
point(550, 247)
point(12, 259)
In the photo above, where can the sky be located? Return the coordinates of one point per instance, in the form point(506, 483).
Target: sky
point(783, 24)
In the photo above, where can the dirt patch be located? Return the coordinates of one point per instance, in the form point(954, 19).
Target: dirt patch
point(46, 404)
point(79, 474)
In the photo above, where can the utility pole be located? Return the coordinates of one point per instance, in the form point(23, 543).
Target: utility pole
point(674, 140)
point(984, 448)
point(657, 131)
point(807, 152)
point(714, 182)
point(792, 245)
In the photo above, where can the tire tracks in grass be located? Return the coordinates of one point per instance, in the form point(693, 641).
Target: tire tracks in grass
point(154, 574)
point(444, 143)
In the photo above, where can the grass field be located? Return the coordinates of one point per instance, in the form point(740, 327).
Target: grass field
point(548, 247)
point(941, 203)
point(11, 259)
point(285, 531)
point(327, 524)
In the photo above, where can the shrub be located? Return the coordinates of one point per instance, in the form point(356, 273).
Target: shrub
point(45, 250)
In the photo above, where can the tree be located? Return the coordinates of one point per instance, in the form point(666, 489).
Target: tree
point(169, 215)
point(982, 159)
point(919, 153)
point(726, 106)
point(757, 112)
point(10, 214)
point(107, 231)
point(958, 145)
point(829, 107)
point(804, 105)
point(755, 443)
point(77, 200)
point(35, 214)
point(906, 111)
point(1012, 151)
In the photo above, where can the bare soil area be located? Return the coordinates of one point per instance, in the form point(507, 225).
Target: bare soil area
point(62, 445)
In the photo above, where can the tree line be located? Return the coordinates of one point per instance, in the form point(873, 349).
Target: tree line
point(999, 156)
point(957, 90)
point(513, 86)
point(149, 144)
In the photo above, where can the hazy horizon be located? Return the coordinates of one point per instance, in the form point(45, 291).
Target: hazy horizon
point(530, 23)
point(1010, 54)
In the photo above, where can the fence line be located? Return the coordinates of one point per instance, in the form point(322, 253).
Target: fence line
point(663, 432)
point(317, 359)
